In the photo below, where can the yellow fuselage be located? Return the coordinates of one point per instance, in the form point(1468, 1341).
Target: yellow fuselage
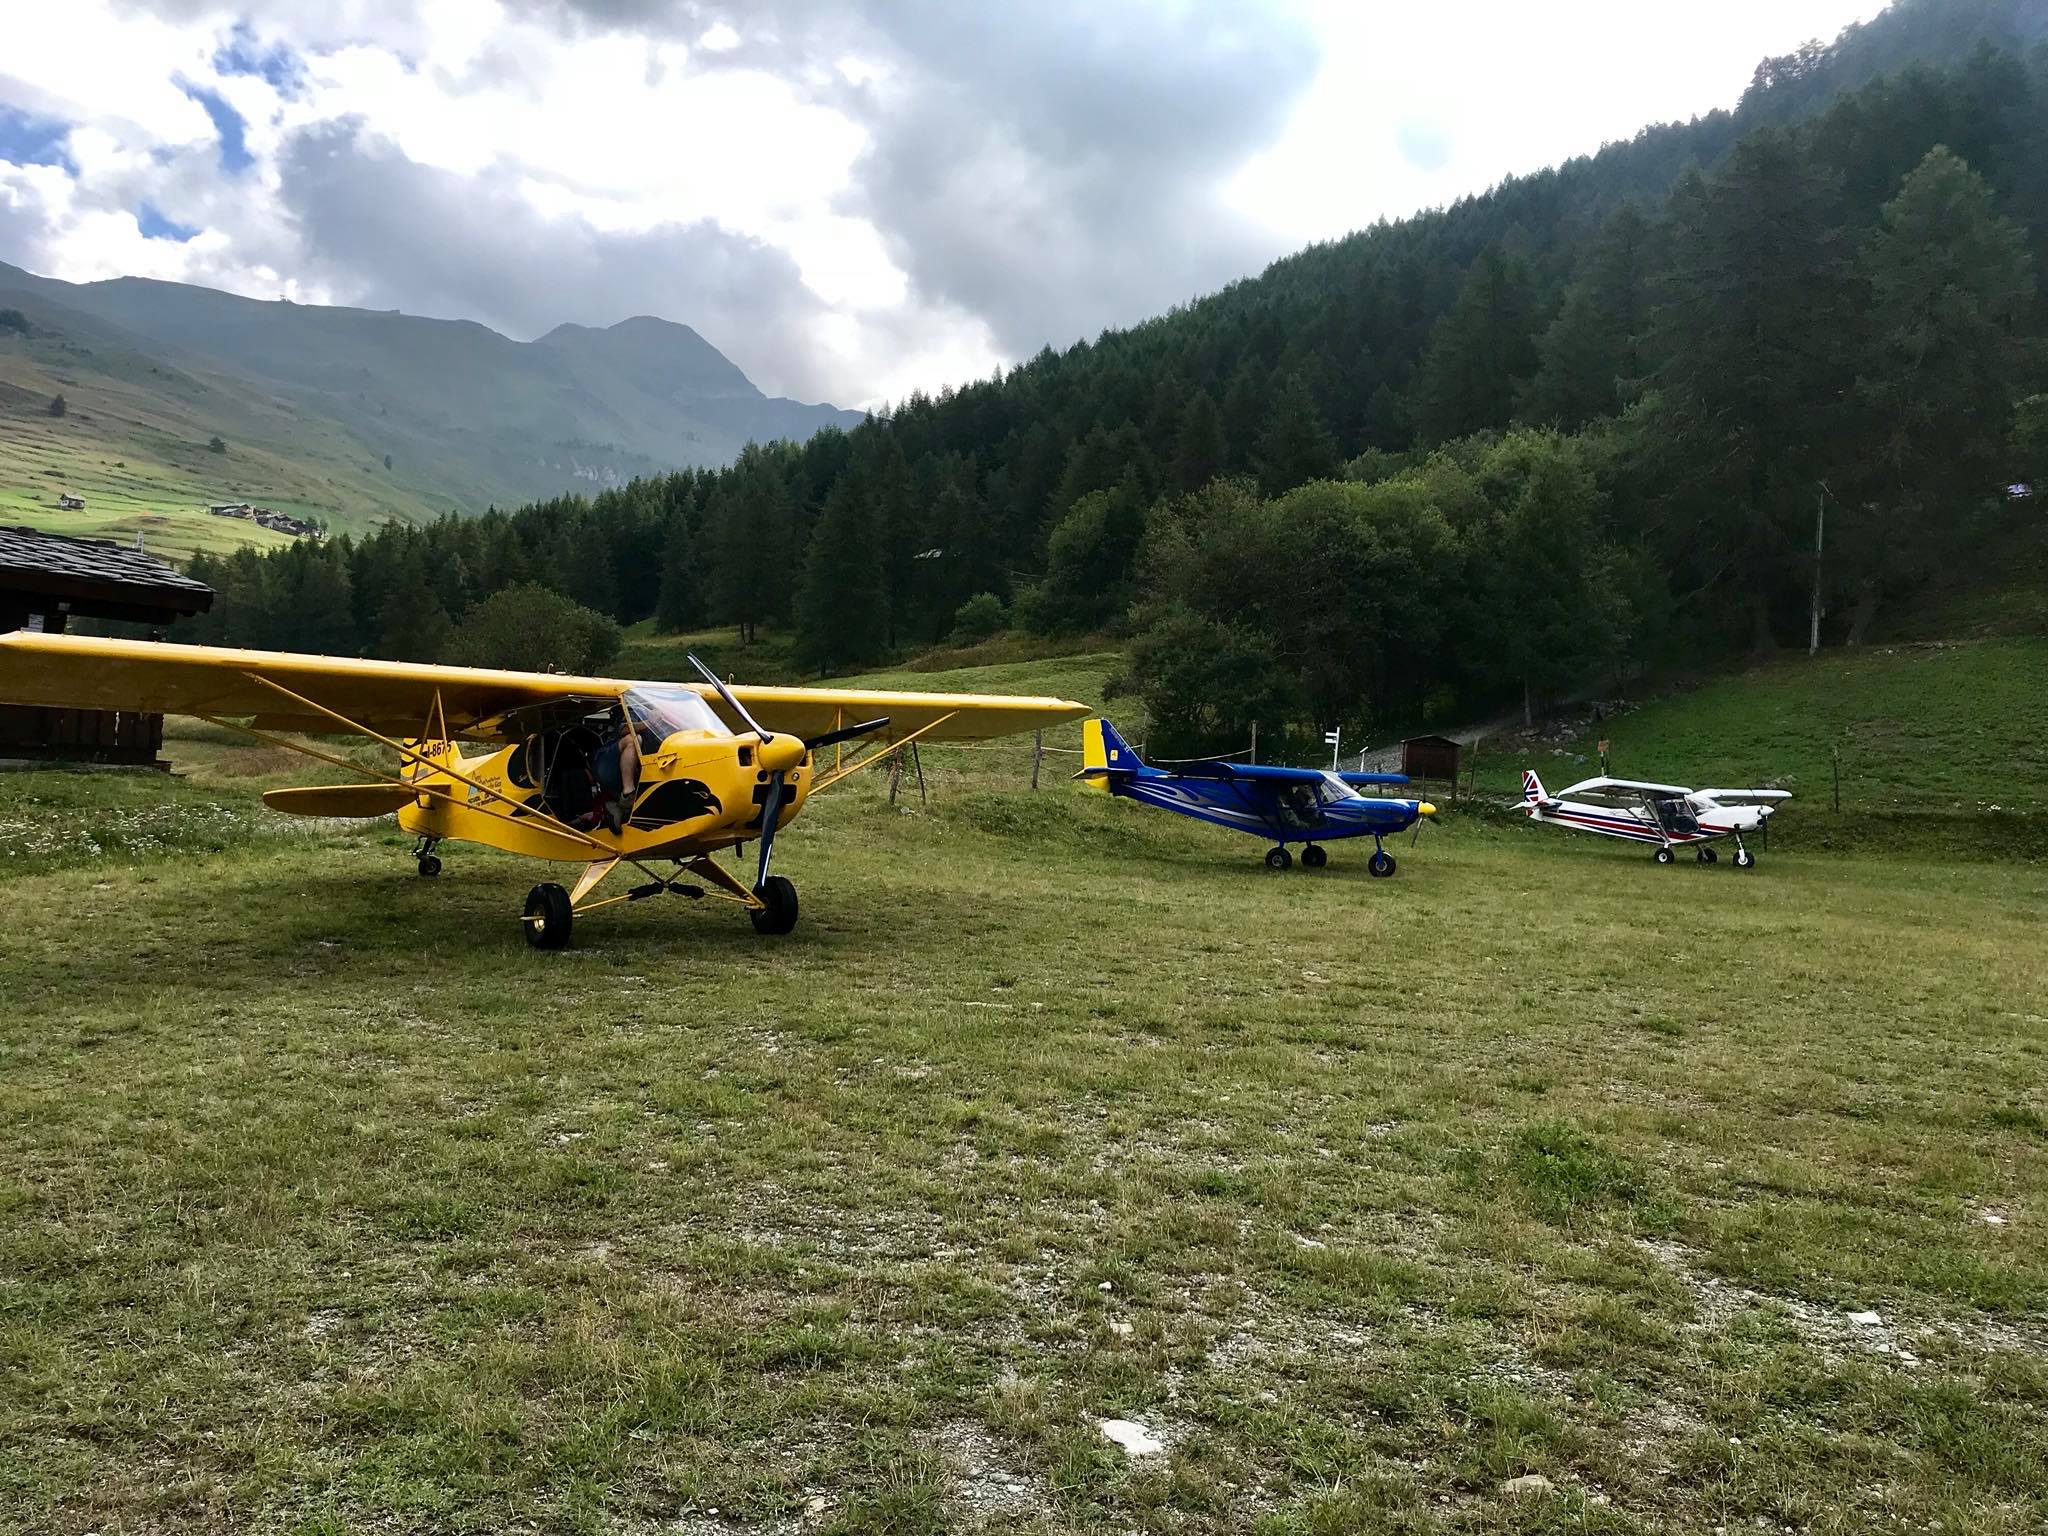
point(697, 794)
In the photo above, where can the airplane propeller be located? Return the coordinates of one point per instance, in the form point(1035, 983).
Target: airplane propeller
point(771, 808)
point(1423, 812)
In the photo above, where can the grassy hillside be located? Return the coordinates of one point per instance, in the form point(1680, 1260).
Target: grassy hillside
point(133, 443)
point(1947, 728)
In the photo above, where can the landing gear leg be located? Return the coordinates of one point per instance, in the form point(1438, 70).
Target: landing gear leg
point(1381, 865)
point(1744, 859)
point(1279, 858)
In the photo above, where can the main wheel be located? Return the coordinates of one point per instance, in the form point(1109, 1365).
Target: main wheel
point(548, 917)
point(1707, 856)
point(1664, 855)
point(1744, 859)
point(1381, 864)
point(777, 914)
point(1279, 858)
point(1314, 856)
point(429, 866)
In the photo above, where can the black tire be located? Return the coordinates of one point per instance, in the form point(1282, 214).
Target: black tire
point(1279, 858)
point(548, 917)
point(1744, 859)
point(777, 915)
point(1664, 855)
point(1314, 856)
point(1707, 856)
point(429, 866)
point(1381, 865)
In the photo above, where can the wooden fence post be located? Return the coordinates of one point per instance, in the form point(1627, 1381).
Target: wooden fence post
point(895, 772)
point(1037, 755)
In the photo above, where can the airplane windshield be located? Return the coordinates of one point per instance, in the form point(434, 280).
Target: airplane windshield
point(668, 709)
point(1333, 789)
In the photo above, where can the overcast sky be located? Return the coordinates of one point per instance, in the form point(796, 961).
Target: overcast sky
point(850, 198)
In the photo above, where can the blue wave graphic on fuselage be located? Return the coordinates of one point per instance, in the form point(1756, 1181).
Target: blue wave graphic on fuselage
point(1248, 808)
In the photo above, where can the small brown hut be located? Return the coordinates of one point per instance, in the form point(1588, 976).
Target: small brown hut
point(1424, 758)
point(46, 581)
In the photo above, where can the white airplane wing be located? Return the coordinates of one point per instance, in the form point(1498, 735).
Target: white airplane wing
point(1744, 796)
point(1608, 786)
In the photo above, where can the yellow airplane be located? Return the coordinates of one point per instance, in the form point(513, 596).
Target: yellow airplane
point(719, 766)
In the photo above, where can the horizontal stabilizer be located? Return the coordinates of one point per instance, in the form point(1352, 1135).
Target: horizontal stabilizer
point(340, 800)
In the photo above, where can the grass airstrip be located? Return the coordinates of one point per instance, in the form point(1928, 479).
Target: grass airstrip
point(1538, 1189)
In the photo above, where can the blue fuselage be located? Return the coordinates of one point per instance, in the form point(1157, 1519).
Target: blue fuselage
point(1280, 813)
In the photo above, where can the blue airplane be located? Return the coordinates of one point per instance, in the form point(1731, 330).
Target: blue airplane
point(1287, 805)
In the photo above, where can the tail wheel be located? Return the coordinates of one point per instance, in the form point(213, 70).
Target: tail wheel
point(548, 917)
point(777, 912)
point(1381, 865)
point(1280, 858)
point(1664, 855)
point(1314, 856)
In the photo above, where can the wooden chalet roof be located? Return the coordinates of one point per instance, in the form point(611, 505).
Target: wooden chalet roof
point(94, 578)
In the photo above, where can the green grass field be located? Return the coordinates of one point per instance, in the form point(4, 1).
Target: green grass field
point(1712, 1200)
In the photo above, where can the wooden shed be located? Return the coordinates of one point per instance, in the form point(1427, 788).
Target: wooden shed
point(1424, 758)
point(46, 581)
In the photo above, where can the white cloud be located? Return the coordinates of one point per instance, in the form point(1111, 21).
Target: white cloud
point(851, 198)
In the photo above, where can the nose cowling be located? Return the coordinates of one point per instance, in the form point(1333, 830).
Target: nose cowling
point(1424, 808)
point(778, 753)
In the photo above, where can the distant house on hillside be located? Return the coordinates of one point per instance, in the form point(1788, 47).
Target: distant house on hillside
point(71, 503)
point(263, 517)
point(232, 509)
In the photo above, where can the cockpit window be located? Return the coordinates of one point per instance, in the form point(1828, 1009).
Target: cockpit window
point(666, 710)
point(1333, 789)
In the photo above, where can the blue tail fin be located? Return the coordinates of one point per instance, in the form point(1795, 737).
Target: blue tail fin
point(1117, 752)
point(1104, 756)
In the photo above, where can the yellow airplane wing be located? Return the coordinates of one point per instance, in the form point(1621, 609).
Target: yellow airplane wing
point(393, 697)
point(280, 689)
point(928, 716)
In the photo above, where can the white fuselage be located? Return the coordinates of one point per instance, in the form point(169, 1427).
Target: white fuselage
point(1692, 817)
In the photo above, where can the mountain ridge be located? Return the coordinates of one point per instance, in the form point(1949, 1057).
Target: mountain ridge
point(431, 414)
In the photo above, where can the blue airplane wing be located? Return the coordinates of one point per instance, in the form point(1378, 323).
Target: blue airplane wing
point(1271, 773)
point(1275, 773)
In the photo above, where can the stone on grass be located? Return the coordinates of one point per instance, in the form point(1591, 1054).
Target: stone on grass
point(1528, 1482)
point(1130, 1438)
point(1866, 1319)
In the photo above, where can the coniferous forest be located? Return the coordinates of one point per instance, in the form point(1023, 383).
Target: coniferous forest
point(1581, 426)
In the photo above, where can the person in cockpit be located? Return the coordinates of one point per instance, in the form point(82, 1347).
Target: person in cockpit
point(616, 766)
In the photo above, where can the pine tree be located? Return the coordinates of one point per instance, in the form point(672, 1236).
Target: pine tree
point(1479, 353)
point(680, 604)
point(1295, 445)
point(1592, 352)
point(842, 607)
point(1757, 330)
point(1198, 443)
point(1950, 284)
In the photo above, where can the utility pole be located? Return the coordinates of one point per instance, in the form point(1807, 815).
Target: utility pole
point(1820, 520)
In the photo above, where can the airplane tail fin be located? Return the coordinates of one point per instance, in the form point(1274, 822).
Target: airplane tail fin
point(1532, 787)
point(1104, 756)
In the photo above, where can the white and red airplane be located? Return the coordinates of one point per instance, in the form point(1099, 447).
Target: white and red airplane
point(1669, 815)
